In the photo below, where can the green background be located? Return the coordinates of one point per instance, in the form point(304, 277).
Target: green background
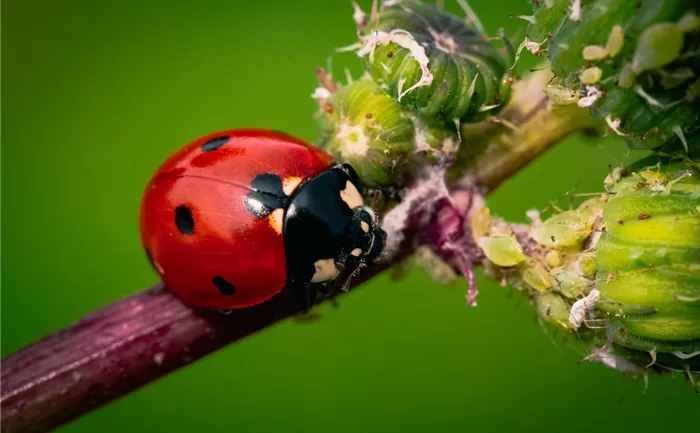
point(96, 94)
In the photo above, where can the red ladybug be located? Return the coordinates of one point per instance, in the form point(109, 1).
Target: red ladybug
point(232, 218)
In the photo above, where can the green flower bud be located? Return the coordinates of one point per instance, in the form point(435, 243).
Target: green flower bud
point(434, 64)
point(363, 126)
point(648, 260)
point(636, 285)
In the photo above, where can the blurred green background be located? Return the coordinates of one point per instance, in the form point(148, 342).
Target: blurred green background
point(96, 94)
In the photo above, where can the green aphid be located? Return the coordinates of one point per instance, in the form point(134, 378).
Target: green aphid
point(553, 309)
point(536, 276)
point(658, 46)
point(591, 75)
point(365, 127)
point(615, 41)
point(572, 285)
point(595, 52)
point(502, 250)
point(561, 95)
point(565, 230)
point(434, 64)
point(584, 265)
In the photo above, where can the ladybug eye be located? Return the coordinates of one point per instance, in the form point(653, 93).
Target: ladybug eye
point(368, 215)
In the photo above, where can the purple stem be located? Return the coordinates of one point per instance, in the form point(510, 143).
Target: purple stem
point(450, 235)
point(115, 350)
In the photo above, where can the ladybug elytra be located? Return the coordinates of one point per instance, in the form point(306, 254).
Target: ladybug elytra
point(232, 218)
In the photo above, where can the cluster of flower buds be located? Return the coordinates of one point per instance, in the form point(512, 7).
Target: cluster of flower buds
point(427, 72)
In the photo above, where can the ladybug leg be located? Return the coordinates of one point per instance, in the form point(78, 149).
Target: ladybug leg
point(307, 295)
point(330, 292)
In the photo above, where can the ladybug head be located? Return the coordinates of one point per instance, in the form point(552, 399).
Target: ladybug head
point(329, 233)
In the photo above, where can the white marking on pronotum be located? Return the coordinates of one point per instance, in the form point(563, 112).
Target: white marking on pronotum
point(575, 10)
point(592, 95)
point(326, 270)
point(364, 226)
point(356, 252)
point(582, 306)
point(276, 218)
point(290, 184)
point(351, 196)
point(405, 40)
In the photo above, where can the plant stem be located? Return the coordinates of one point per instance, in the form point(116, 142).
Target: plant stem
point(141, 338)
point(496, 149)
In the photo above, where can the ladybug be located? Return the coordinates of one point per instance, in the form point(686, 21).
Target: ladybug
point(232, 218)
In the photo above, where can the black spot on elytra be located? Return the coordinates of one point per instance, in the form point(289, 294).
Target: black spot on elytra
point(224, 286)
point(214, 143)
point(184, 220)
point(267, 195)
